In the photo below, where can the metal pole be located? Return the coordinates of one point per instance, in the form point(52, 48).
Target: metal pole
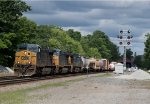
point(87, 71)
point(124, 58)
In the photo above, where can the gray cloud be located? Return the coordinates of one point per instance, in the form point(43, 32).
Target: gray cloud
point(87, 16)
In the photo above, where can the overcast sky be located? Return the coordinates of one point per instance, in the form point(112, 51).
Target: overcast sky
point(87, 16)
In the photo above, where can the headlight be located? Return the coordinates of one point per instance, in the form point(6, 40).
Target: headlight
point(29, 62)
point(18, 62)
point(25, 53)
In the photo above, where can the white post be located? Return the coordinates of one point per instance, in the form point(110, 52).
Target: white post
point(124, 61)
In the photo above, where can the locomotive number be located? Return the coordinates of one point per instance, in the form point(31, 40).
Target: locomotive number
point(25, 57)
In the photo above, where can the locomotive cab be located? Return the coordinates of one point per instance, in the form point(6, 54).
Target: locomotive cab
point(25, 59)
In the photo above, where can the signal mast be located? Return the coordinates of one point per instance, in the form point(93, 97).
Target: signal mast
point(125, 39)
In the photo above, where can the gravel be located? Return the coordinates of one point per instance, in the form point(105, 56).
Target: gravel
point(137, 75)
point(3, 69)
point(93, 89)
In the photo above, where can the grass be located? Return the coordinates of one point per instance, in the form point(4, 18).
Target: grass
point(13, 97)
point(20, 96)
point(104, 75)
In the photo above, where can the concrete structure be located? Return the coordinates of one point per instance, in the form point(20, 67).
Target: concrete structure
point(119, 68)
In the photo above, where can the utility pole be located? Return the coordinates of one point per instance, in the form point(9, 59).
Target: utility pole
point(125, 38)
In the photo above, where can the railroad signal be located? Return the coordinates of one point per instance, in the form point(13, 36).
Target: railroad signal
point(128, 37)
point(120, 43)
point(128, 31)
point(121, 31)
point(128, 43)
point(125, 38)
point(121, 37)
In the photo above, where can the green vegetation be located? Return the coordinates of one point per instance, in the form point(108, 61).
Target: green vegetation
point(104, 75)
point(20, 96)
point(16, 29)
point(147, 52)
point(10, 12)
point(13, 97)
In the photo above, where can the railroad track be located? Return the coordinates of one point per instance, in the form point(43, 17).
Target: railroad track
point(10, 80)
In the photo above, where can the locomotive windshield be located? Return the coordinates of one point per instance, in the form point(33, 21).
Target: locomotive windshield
point(56, 52)
point(29, 47)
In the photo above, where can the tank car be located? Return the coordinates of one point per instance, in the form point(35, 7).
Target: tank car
point(104, 64)
point(94, 64)
point(85, 62)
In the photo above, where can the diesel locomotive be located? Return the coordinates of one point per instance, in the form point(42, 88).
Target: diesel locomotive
point(31, 59)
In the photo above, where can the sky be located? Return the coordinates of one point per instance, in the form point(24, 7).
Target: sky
point(86, 16)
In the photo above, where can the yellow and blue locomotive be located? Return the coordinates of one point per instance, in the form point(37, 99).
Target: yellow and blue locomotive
point(31, 59)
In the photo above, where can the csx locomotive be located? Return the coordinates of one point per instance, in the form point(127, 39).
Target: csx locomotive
point(31, 59)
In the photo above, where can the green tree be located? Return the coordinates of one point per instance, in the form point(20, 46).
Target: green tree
point(94, 52)
point(55, 37)
point(147, 51)
point(106, 48)
point(129, 54)
point(76, 35)
point(10, 13)
point(139, 61)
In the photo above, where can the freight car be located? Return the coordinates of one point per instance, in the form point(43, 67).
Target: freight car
point(98, 64)
point(104, 65)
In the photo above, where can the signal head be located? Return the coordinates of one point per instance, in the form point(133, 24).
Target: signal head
point(128, 43)
point(128, 37)
point(121, 31)
point(120, 43)
point(128, 31)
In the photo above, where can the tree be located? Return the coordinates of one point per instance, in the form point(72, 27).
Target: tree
point(147, 50)
point(76, 35)
point(10, 13)
point(129, 54)
point(139, 61)
point(106, 48)
point(53, 37)
point(94, 52)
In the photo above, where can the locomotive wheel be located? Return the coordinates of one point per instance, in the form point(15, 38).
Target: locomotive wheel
point(73, 70)
point(39, 71)
point(53, 71)
point(60, 70)
point(69, 70)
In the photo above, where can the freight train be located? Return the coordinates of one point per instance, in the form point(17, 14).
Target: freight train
point(31, 59)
